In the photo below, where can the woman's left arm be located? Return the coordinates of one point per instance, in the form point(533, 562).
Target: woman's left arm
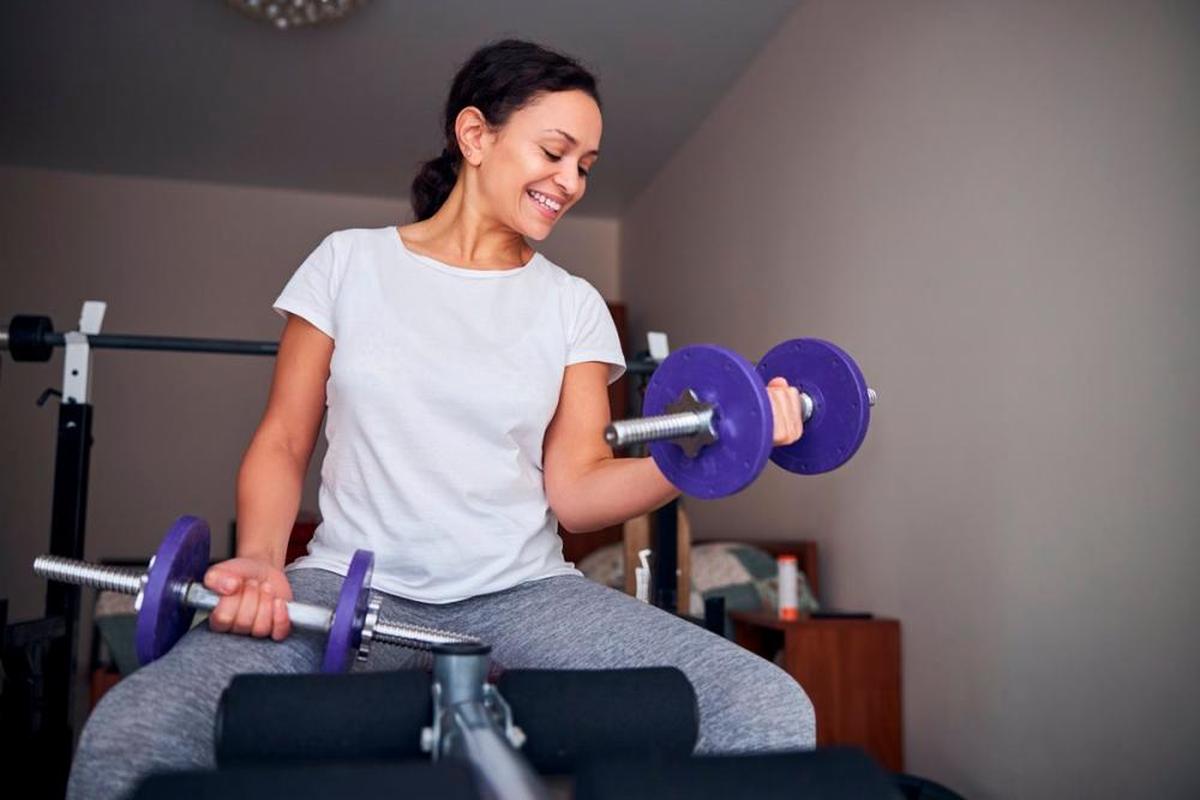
point(588, 489)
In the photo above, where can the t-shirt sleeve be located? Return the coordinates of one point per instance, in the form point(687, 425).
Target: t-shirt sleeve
point(593, 335)
point(311, 291)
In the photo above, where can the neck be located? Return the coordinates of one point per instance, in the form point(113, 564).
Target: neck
point(458, 234)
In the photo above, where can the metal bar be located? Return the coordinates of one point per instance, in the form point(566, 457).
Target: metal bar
point(413, 635)
point(118, 341)
point(67, 527)
point(622, 433)
point(666, 557)
point(304, 616)
point(466, 729)
point(504, 773)
point(81, 573)
point(182, 344)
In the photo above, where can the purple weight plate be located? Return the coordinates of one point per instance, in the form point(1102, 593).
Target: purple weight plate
point(163, 618)
point(345, 634)
point(841, 410)
point(743, 420)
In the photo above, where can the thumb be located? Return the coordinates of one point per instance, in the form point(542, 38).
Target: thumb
point(780, 381)
point(221, 580)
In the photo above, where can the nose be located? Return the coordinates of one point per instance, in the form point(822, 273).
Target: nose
point(568, 180)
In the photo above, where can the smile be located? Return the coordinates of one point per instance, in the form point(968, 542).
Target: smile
point(548, 205)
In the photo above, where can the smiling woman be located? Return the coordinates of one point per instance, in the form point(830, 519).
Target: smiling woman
point(537, 114)
point(463, 381)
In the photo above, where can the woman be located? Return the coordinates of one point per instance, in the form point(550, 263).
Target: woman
point(466, 382)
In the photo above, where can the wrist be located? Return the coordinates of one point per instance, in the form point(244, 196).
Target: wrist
point(266, 555)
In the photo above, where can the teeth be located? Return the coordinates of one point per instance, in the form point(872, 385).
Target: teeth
point(546, 201)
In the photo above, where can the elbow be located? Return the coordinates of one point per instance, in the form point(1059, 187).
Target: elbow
point(571, 518)
point(566, 519)
point(571, 500)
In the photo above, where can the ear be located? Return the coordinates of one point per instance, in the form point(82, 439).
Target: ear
point(473, 134)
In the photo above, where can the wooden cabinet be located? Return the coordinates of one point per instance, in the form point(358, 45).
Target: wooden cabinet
point(850, 669)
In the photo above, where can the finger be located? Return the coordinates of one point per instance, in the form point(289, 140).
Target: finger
point(789, 416)
point(282, 625)
point(779, 435)
point(248, 608)
point(265, 618)
point(221, 618)
point(793, 415)
point(799, 412)
point(786, 413)
point(282, 587)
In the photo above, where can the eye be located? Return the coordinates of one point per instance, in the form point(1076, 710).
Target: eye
point(583, 173)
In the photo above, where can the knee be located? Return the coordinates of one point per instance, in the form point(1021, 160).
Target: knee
point(760, 709)
point(138, 728)
point(793, 711)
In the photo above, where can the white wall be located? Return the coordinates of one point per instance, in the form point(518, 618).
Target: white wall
point(995, 207)
point(170, 258)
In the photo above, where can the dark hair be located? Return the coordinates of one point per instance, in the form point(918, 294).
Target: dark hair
point(498, 79)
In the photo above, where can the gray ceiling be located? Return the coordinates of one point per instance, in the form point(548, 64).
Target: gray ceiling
point(191, 89)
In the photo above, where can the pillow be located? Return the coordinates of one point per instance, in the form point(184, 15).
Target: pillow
point(745, 575)
point(605, 565)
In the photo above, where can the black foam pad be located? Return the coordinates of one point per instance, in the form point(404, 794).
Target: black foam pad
point(838, 773)
point(323, 717)
point(414, 780)
point(568, 715)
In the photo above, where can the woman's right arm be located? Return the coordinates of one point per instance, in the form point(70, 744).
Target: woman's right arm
point(269, 487)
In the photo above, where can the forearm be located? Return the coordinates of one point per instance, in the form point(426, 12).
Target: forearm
point(270, 483)
point(615, 490)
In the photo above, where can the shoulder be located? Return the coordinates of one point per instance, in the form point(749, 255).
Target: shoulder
point(579, 291)
point(348, 239)
point(339, 248)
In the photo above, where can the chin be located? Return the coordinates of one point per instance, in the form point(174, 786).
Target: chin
point(537, 232)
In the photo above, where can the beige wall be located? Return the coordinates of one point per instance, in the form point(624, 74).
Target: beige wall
point(178, 258)
point(996, 208)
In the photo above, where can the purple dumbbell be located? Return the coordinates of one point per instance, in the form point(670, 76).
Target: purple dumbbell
point(172, 588)
point(709, 420)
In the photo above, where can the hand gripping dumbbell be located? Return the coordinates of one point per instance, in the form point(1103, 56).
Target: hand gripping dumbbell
point(172, 589)
point(709, 420)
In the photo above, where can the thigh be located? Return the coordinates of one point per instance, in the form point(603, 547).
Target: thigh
point(746, 703)
point(569, 622)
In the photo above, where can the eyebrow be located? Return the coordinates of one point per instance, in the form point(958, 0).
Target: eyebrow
point(570, 139)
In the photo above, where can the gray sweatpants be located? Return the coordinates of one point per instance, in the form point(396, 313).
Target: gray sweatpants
point(161, 717)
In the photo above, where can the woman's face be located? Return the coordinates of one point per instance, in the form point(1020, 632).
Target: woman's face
point(536, 166)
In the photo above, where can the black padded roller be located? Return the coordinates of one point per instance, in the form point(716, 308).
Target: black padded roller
point(413, 780)
point(571, 715)
point(838, 773)
point(320, 717)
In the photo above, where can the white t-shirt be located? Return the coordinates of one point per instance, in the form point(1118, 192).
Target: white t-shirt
point(442, 383)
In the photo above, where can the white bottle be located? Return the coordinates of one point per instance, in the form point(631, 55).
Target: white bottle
point(642, 576)
point(789, 600)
